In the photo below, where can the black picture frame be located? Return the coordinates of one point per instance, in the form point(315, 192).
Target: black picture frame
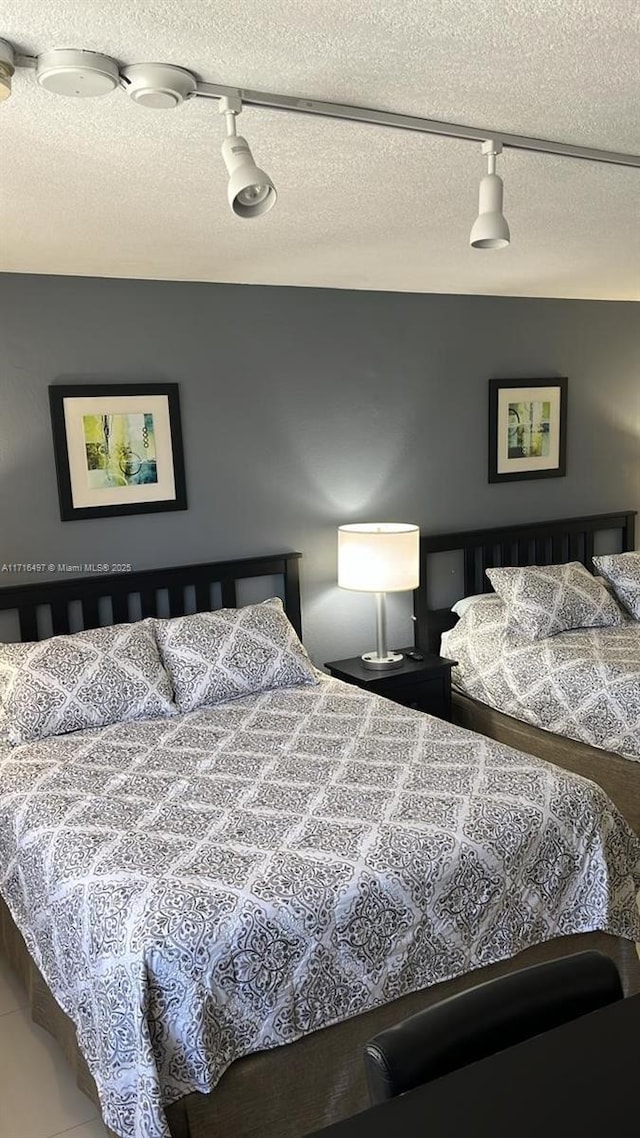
point(527, 429)
point(129, 479)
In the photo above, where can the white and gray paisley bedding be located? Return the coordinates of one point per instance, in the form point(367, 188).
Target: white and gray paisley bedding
point(622, 572)
point(86, 679)
point(212, 657)
point(543, 600)
point(584, 684)
point(199, 888)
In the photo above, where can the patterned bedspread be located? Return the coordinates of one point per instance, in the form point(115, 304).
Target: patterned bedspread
point(198, 888)
point(584, 684)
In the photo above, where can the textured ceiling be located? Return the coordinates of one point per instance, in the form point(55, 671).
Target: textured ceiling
point(103, 187)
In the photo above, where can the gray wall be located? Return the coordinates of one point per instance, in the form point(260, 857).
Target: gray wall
point(306, 408)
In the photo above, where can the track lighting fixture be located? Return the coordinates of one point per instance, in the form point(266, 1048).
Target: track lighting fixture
point(77, 74)
point(7, 69)
point(490, 229)
point(160, 86)
point(251, 192)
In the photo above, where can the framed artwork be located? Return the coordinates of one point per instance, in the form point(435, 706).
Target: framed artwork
point(527, 429)
point(118, 449)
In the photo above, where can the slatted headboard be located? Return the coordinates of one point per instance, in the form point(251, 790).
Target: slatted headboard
point(88, 602)
point(539, 543)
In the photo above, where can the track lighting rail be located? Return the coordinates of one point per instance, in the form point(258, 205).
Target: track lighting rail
point(413, 123)
point(251, 193)
point(397, 121)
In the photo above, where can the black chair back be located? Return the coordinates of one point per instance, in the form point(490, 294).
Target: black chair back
point(486, 1019)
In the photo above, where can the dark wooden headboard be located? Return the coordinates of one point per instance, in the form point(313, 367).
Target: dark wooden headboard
point(539, 543)
point(87, 602)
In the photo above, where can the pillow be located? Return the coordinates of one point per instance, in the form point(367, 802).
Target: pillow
point(622, 572)
point(465, 603)
point(215, 656)
point(88, 679)
point(543, 600)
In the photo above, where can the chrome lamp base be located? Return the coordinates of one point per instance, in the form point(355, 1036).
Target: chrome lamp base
point(382, 658)
point(374, 661)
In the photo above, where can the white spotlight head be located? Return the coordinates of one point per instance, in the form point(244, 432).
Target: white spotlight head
point(251, 192)
point(7, 68)
point(490, 229)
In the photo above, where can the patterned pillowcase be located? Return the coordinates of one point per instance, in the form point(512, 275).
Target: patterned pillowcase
point(88, 679)
point(543, 600)
point(622, 571)
point(215, 656)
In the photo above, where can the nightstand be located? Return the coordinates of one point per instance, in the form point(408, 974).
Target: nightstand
point(423, 684)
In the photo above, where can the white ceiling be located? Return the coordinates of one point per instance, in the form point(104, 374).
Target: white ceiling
point(103, 187)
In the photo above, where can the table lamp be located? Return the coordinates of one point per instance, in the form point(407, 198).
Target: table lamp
point(380, 558)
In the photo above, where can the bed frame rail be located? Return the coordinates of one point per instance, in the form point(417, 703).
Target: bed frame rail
point(538, 543)
point(160, 592)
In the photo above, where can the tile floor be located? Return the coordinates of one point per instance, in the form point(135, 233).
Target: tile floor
point(38, 1097)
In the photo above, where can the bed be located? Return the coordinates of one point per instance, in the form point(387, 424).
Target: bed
point(545, 543)
point(313, 828)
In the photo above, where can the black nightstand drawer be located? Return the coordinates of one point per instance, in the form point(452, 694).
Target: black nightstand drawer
point(422, 684)
point(431, 695)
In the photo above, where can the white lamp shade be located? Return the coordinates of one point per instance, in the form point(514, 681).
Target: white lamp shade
point(379, 557)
